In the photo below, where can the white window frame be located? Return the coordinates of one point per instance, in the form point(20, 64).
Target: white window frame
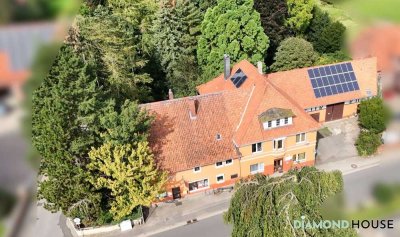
point(205, 187)
point(260, 168)
point(300, 134)
point(229, 163)
point(275, 142)
point(223, 178)
point(219, 166)
point(296, 157)
point(197, 171)
point(256, 144)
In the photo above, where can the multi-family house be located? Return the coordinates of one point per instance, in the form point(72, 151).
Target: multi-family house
point(245, 122)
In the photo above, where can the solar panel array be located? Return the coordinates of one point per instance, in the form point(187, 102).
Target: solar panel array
point(238, 78)
point(333, 79)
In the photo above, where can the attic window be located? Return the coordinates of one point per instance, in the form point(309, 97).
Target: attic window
point(218, 136)
point(276, 117)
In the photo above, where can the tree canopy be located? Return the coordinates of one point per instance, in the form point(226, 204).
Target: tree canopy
point(300, 14)
point(232, 27)
point(294, 53)
point(265, 206)
point(176, 31)
point(129, 172)
point(374, 115)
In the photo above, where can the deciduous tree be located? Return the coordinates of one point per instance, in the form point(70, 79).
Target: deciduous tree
point(300, 14)
point(129, 172)
point(231, 27)
point(294, 53)
point(264, 206)
point(374, 115)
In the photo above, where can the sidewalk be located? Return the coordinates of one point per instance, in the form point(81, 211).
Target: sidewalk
point(169, 216)
point(350, 165)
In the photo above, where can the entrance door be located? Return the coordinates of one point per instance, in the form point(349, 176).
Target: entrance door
point(176, 192)
point(334, 112)
point(278, 165)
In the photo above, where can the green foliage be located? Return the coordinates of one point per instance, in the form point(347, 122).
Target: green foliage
point(326, 36)
point(273, 15)
point(294, 53)
point(176, 31)
point(367, 143)
point(231, 27)
point(384, 193)
point(115, 40)
point(373, 115)
point(129, 172)
point(265, 206)
point(331, 58)
point(64, 124)
point(300, 14)
point(7, 202)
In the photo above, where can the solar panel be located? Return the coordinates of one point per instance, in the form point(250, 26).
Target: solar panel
point(332, 80)
point(238, 78)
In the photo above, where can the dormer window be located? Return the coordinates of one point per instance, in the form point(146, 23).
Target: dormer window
point(276, 117)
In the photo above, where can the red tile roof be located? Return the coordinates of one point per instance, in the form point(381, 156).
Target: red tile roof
point(8, 77)
point(381, 41)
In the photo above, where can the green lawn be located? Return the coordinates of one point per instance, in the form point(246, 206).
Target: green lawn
point(1, 229)
point(377, 210)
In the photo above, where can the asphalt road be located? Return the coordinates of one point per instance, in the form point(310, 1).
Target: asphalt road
point(213, 226)
point(357, 189)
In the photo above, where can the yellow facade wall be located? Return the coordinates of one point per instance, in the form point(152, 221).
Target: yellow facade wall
point(349, 110)
point(241, 166)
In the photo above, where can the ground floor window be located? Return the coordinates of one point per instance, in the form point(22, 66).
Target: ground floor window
point(198, 185)
point(257, 168)
point(299, 157)
point(220, 178)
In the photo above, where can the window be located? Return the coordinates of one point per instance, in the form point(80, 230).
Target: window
point(234, 176)
point(220, 178)
point(197, 169)
point(278, 122)
point(257, 168)
point(269, 124)
point(219, 164)
point(301, 137)
point(278, 144)
point(228, 162)
point(198, 185)
point(256, 147)
point(299, 157)
point(218, 137)
point(286, 120)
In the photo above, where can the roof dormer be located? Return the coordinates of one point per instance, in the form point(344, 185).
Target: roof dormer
point(276, 117)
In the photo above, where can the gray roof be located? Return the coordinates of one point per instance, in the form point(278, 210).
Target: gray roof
point(21, 42)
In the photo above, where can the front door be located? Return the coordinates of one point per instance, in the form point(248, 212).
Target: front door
point(176, 192)
point(334, 112)
point(278, 165)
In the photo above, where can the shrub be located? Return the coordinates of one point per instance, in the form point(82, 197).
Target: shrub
point(383, 193)
point(367, 143)
point(373, 115)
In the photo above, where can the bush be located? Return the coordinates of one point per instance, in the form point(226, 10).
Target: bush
point(367, 143)
point(293, 53)
point(384, 193)
point(373, 115)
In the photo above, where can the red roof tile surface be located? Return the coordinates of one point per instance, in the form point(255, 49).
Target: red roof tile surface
point(182, 141)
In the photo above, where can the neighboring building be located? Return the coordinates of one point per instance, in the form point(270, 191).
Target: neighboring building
point(382, 42)
point(245, 122)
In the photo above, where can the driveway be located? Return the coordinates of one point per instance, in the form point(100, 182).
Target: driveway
point(340, 145)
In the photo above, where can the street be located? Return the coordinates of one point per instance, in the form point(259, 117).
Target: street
point(357, 188)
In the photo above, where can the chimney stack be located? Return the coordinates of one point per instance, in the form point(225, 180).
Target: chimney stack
point(193, 106)
point(260, 67)
point(227, 66)
point(170, 94)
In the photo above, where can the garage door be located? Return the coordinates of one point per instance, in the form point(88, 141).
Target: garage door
point(334, 112)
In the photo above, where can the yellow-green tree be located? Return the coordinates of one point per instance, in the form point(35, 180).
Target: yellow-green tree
point(129, 172)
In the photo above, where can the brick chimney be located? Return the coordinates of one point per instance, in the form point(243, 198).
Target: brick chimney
point(227, 66)
point(193, 107)
point(170, 94)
